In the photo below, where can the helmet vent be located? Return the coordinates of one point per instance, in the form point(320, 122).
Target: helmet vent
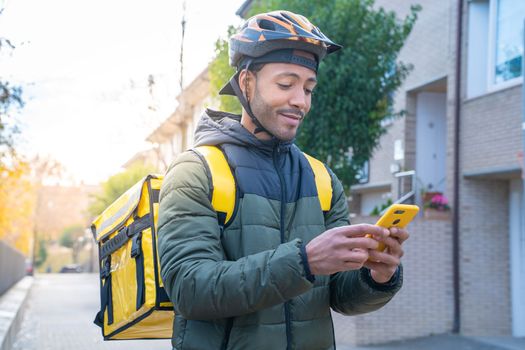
point(266, 24)
point(288, 17)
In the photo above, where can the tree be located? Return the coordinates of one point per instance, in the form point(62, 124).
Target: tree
point(355, 89)
point(17, 204)
point(46, 170)
point(71, 237)
point(41, 255)
point(10, 99)
point(117, 184)
point(10, 96)
point(220, 72)
point(16, 190)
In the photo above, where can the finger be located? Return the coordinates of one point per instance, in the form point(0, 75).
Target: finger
point(400, 234)
point(384, 258)
point(377, 266)
point(380, 269)
point(355, 256)
point(394, 247)
point(364, 243)
point(364, 229)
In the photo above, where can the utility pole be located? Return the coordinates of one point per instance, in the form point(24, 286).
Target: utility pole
point(183, 24)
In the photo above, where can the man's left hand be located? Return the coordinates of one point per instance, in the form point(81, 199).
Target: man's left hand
point(384, 264)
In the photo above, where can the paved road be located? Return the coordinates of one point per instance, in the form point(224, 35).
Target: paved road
point(448, 342)
point(61, 307)
point(59, 315)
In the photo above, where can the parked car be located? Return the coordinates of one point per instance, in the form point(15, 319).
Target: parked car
point(29, 267)
point(71, 268)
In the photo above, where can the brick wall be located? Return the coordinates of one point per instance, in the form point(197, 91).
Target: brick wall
point(484, 256)
point(424, 305)
point(490, 138)
point(491, 130)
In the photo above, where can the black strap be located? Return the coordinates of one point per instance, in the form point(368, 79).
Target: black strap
point(106, 299)
point(110, 300)
point(162, 295)
point(155, 195)
point(136, 252)
point(246, 104)
point(136, 246)
point(123, 236)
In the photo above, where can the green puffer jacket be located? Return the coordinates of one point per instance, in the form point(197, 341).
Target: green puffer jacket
point(249, 286)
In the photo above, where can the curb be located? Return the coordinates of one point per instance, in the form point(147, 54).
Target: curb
point(11, 311)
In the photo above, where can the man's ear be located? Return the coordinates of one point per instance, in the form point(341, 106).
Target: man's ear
point(245, 83)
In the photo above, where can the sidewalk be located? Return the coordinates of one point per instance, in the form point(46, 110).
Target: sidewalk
point(448, 342)
point(11, 310)
point(54, 320)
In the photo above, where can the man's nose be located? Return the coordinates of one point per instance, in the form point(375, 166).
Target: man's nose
point(299, 99)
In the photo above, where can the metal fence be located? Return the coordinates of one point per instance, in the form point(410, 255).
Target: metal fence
point(12, 266)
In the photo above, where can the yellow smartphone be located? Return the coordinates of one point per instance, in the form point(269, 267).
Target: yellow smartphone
point(397, 215)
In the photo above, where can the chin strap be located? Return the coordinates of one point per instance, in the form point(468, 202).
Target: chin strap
point(246, 104)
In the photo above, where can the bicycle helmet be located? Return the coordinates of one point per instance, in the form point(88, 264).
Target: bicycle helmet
point(272, 37)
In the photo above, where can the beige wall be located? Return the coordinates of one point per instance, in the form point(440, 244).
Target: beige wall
point(424, 305)
point(491, 130)
point(484, 252)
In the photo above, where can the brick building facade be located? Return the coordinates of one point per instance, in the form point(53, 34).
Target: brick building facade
point(491, 265)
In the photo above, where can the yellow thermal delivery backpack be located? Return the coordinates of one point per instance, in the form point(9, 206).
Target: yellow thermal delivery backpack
point(134, 304)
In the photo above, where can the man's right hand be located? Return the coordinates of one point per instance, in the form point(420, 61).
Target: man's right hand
point(343, 248)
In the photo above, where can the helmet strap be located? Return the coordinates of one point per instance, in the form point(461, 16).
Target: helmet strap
point(246, 103)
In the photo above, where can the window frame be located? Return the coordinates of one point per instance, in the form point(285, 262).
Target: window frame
point(492, 86)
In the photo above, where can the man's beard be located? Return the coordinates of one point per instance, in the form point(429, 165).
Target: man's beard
point(268, 117)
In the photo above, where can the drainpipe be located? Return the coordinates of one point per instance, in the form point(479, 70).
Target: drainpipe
point(455, 219)
point(523, 135)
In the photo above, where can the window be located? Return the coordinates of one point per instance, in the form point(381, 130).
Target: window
point(362, 175)
point(495, 45)
point(507, 20)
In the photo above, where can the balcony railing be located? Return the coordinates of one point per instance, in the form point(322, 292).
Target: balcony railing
point(403, 195)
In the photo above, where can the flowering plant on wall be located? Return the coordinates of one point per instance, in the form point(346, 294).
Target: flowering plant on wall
point(438, 201)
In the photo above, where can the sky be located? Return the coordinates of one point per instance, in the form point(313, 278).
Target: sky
point(84, 68)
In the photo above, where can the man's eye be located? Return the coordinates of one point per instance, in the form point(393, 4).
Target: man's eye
point(308, 91)
point(284, 86)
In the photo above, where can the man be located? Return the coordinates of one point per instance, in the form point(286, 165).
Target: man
point(269, 278)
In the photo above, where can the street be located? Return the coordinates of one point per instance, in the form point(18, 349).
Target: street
point(61, 307)
point(59, 315)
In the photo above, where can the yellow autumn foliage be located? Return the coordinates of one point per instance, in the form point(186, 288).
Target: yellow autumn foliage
point(17, 205)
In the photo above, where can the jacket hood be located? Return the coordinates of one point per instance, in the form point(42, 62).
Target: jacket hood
point(217, 127)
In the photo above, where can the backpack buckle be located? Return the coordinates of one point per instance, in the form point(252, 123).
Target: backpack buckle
point(106, 270)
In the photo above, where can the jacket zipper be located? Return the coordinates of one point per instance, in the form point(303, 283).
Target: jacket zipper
point(276, 154)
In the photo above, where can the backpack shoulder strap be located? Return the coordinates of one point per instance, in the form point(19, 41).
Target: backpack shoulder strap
point(223, 182)
point(323, 182)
